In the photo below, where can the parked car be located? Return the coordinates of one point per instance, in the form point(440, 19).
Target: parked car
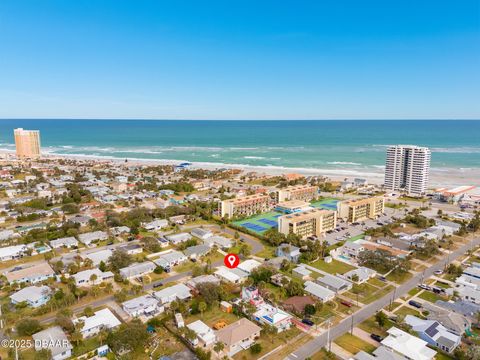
point(376, 337)
point(308, 322)
point(415, 304)
point(346, 303)
point(438, 272)
point(157, 284)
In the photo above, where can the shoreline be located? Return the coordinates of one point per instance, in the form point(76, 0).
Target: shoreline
point(439, 177)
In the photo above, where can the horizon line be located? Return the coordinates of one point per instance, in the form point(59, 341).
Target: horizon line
point(186, 119)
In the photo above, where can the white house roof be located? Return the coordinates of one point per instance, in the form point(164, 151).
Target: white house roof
point(98, 256)
point(139, 303)
point(65, 241)
point(248, 265)
point(12, 250)
point(202, 330)
point(408, 345)
point(30, 293)
point(92, 236)
point(169, 294)
point(137, 269)
point(102, 317)
point(319, 291)
point(86, 274)
point(53, 339)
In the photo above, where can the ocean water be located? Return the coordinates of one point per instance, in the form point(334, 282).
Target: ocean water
point(352, 145)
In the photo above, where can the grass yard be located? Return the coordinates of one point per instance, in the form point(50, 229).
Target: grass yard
point(368, 293)
point(371, 326)
point(399, 278)
point(335, 267)
point(404, 311)
point(269, 343)
point(442, 356)
point(212, 316)
point(354, 344)
point(414, 291)
point(430, 296)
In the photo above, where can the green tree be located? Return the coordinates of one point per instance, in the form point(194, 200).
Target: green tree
point(28, 327)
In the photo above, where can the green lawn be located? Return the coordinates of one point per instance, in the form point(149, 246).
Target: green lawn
point(442, 356)
point(371, 326)
point(368, 293)
point(414, 291)
point(430, 296)
point(408, 311)
point(354, 344)
point(335, 267)
point(399, 278)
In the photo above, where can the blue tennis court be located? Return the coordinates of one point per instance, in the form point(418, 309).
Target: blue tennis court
point(253, 227)
point(268, 222)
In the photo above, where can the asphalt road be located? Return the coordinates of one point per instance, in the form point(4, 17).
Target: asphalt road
point(369, 310)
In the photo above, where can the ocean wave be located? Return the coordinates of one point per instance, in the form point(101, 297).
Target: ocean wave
point(343, 163)
point(254, 157)
point(457, 150)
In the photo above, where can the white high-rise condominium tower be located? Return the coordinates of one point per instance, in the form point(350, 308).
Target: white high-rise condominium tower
point(407, 168)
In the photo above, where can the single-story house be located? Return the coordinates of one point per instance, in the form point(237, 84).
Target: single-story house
point(91, 277)
point(55, 340)
point(93, 236)
point(292, 253)
point(170, 259)
point(434, 333)
point(31, 274)
point(201, 233)
point(235, 276)
point(408, 345)
point(334, 283)
point(196, 251)
point(238, 336)
point(172, 293)
point(12, 252)
point(98, 256)
point(205, 335)
point(220, 241)
point(132, 249)
point(301, 272)
point(319, 291)
point(34, 296)
point(155, 225)
point(271, 315)
point(202, 279)
point(176, 239)
point(362, 274)
point(146, 305)
point(249, 265)
point(67, 242)
point(297, 303)
point(137, 269)
point(92, 325)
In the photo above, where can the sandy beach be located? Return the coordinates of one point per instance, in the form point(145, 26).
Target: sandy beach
point(439, 177)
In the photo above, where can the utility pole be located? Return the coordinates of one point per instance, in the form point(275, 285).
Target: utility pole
point(351, 328)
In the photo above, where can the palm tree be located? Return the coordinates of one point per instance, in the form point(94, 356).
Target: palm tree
point(202, 306)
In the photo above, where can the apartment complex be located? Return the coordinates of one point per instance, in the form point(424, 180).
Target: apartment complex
point(407, 168)
point(245, 206)
point(297, 192)
point(358, 210)
point(308, 223)
point(27, 143)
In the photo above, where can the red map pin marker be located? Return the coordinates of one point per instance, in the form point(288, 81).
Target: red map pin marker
point(231, 261)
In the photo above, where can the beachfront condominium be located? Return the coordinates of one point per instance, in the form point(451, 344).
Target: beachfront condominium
point(297, 192)
point(27, 143)
point(314, 222)
point(361, 209)
point(407, 168)
point(245, 206)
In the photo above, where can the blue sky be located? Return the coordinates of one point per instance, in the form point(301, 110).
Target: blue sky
point(331, 59)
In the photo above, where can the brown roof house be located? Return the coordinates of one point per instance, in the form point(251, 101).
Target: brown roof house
point(297, 304)
point(238, 336)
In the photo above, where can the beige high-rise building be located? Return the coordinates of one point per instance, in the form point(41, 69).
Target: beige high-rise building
point(245, 206)
point(359, 210)
point(27, 143)
point(308, 223)
point(297, 192)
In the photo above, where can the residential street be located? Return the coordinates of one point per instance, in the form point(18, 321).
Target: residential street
point(369, 310)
